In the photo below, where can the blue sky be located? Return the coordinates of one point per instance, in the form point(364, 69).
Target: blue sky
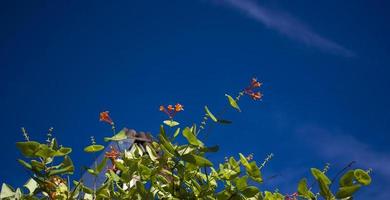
point(324, 65)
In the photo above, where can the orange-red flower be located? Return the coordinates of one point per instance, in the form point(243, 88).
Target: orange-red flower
point(255, 83)
point(112, 154)
point(105, 117)
point(172, 110)
point(170, 107)
point(256, 96)
point(179, 107)
point(250, 90)
point(162, 108)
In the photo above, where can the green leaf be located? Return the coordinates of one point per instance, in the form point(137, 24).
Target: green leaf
point(347, 191)
point(101, 165)
point(93, 148)
point(31, 185)
point(92, 172)
point(166, 144)
point(45, 152)
point(25, 164)
point(190, 136)
point(208, 113)
point(118, 137)
point(347, 178)
point(39, 166)
point(67, 167)
point(250, 191)
point(362, 177)
point(245, 162)
point(151, 152)
point(324, 189)
point(176, 132)
point(63, 151)
point(209, 149)
point(303, 190)
point(29, 148)
point(197, 160)
point(171, 123)
point(114, 176)
point(224, 121)
point(255, 173)
point(241, 183)
point(233, 102)
point(6, 191)
point(318, 174)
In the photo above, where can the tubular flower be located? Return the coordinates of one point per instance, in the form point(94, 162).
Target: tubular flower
point(178, 107)
point(112, 154)
point(250, 90)
point(105, 117)
point(256, 96)
point(171, 110)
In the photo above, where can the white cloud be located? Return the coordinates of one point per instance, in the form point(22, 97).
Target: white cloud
point(287, 25)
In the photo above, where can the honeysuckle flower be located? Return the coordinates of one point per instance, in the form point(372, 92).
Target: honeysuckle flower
point(256, 96)
point(255, 83)
point(162, 108)
point(178, 107)
point(250, 90)
point(112, 154)
point(171, 110)
point(105, 117)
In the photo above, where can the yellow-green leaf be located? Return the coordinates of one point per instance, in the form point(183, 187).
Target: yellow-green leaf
point(208, 113)
point(233, 102)
point(93, 148)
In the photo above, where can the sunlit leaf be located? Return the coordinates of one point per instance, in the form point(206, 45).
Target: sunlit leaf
point(29, 148)
point(118, 137)
point(347, 191)
point(171, 123)
point(31, 185)
point(190, 136)
point(362, 177)
point(212, 117)
point(233, 102)
point(93, 148)
point(197, 160)
point(67, 167)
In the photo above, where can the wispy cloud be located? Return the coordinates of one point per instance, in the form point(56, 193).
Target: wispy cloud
point(287, 25)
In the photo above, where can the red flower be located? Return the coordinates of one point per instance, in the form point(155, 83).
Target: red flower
point(112, 154)
point(178, 107)
point(255, 83)
point(105, 117)
point(171, 110)
point(256, 96)
point(250, 90)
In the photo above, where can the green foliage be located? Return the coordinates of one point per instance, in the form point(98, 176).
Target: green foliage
point(164, 169)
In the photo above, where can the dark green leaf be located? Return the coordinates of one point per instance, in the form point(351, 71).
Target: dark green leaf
point(197, 160)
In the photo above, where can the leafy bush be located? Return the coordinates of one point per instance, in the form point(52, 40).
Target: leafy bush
point(164, 169)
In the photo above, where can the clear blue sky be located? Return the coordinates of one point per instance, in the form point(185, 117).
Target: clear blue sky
point(324, 64)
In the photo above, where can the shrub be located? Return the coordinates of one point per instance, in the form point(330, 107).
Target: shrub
point(163, 169)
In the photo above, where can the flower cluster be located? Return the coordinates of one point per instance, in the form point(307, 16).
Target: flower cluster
point(105, 117)
point(113, 154)
point(250, 90)
point(172, 110)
